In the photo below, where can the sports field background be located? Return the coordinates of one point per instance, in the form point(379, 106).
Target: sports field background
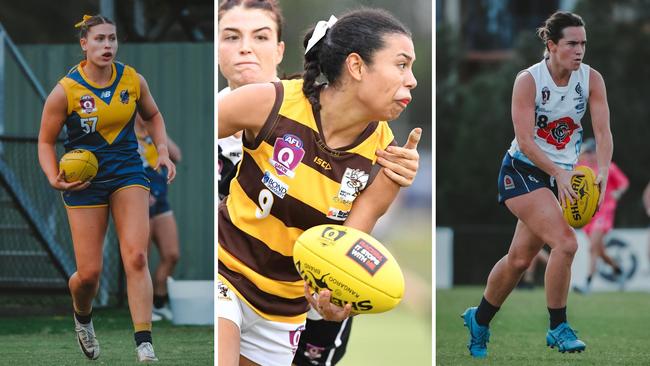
point(614, 325)
point(50, 340)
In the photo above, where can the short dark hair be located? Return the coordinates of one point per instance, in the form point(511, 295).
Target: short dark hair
point(555, 24)
point(271, 6)
point(360, 31)
point(85, 25)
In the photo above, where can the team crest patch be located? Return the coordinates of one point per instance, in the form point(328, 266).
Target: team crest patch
point(367, 256)
point(223, 292)
point(124, 96)
point(508, 183)
point(546, 95)
point(313, 352)
point(353, 182)
point(287, 154)
point(87, 103)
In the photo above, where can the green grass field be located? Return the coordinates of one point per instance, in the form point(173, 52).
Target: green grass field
point(398, 337)
point(50, 340)
point(615, 327)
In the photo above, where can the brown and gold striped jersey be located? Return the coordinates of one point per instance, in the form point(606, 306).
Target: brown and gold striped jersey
point(288, 181)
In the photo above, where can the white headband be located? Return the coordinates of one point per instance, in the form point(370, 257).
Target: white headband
point(319, 32)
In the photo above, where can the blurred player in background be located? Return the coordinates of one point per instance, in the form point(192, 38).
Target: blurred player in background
point(603, 220)
point(548, 101)
point(97, 102)
point(269, 342)
point(251, 31)
point(162, 223)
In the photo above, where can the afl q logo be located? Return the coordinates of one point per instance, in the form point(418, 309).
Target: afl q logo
point(332, 234)
point(87, 103)
point(622, 254)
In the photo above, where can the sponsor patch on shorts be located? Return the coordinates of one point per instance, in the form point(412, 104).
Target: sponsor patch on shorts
point(367, 256)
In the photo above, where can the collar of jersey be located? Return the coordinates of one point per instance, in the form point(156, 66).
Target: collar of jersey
point(93, 84)
point(81, 78)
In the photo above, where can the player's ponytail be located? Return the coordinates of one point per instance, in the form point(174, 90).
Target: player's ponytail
point(329, 43)
point(555, 24)
point(312, 71)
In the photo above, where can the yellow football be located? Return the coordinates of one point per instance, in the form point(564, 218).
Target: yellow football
point(353, 265)
point(583, 209)
point(78, 165)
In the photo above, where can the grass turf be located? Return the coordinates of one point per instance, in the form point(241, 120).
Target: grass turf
point(50, 340)
point(398, 337)
point(615, 327)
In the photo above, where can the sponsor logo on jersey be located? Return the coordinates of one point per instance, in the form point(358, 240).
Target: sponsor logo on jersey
point(322, 163)
point(287, 154)
point(558, 133)
point(508, 183)
point(87, 103)
point(353, 182)
point(546, 95)
point(106, 94)
point(367, 256)
point(580, 107)
point(532, 179)
point(124, 96)
point(336, 214)
point(274, 184)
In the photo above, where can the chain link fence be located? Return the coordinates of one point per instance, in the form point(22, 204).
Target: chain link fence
point(36, 252)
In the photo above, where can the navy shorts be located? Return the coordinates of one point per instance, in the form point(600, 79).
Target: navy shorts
point(517, 178)
point(98, 193)
point(158, 203)
point(322, 342)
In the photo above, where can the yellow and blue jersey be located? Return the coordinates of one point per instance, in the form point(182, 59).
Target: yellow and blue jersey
point(101, 119)
point(148, 151)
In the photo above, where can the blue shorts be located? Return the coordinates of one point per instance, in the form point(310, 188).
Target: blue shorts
point(517, 178)
point(98, 193)
point(158, 203)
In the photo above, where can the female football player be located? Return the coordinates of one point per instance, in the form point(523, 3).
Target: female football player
point(548, 102)
point(162, 222)
point(603, 220)
point(366, 57)
point(97, 102)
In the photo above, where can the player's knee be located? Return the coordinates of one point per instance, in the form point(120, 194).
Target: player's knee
point(136, 261)
point(568, 246)
point(172, 257)
point(520, 264)
point(89, 277)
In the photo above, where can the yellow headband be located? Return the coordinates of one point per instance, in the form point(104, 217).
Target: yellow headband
point(83, 21)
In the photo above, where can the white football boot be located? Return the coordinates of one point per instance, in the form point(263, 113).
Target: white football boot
point(165, 312)
point(145, 352)
point(86, 339)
